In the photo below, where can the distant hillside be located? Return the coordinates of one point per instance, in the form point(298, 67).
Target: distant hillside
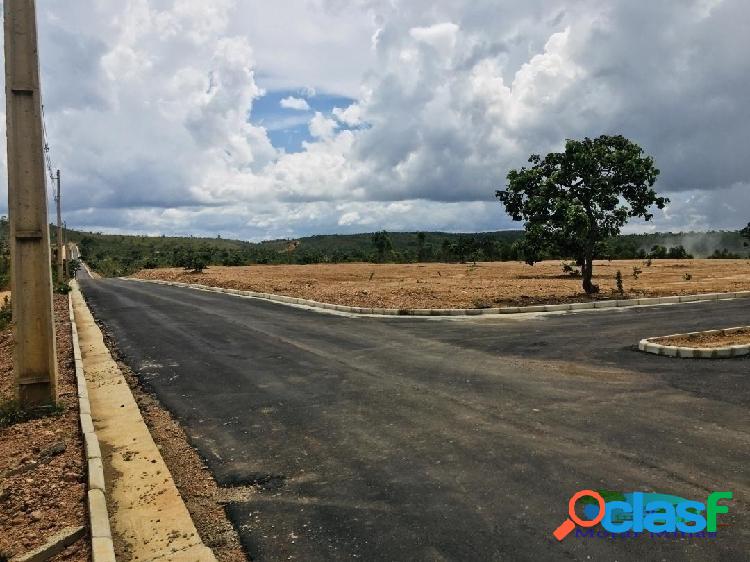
point(406, 246)
point(114, 255)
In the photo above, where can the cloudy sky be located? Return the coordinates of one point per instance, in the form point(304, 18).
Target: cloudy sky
point(257, 119)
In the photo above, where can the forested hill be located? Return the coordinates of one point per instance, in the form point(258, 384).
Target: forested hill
point(123, 254)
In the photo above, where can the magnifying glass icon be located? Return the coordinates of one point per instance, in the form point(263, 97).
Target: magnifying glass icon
point(570, 524)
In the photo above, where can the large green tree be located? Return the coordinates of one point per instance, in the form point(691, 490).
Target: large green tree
point(745, 232)
point(571, 202)
point(383, 245)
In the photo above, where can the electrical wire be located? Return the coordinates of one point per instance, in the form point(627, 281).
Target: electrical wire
point(47, 156)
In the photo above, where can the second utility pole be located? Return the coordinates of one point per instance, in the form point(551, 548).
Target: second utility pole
point(60, 244)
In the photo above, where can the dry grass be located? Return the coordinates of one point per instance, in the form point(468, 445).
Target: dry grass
point(466, 285)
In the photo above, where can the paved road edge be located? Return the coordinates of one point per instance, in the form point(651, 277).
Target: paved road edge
point(102, 546)
point(727, 352)
point(362, 311)
point(170, 524)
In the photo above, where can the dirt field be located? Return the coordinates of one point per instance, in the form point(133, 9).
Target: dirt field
point(741, 337)
point(42, 472)
point(466, 285)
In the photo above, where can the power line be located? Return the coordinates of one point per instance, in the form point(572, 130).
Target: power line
point(47, 156)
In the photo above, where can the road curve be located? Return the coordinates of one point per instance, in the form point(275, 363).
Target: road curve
point(421, 440)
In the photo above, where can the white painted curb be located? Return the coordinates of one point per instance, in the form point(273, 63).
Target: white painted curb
point(102, 547)
point(651, 301)
point(649, 346)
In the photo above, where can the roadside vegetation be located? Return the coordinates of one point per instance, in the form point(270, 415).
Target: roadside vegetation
point(6, 313)
point(118, 255)
point(121, 255)
point(59, 285)
point(11, 413)
point(113, 255)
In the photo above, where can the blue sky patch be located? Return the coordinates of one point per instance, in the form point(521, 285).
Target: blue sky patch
point(288, 128)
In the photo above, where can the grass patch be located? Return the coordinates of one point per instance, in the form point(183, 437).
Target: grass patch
point(62, 288)
point(6, 316)
point(12, 413)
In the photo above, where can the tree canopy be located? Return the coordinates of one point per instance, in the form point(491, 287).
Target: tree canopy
point(383, 244)
point(573, 201)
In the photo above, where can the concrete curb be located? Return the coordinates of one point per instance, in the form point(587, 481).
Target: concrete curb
point(650, 301)
point(102, 547)
point(647, 345)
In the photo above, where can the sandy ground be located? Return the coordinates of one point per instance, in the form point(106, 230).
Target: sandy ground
point(709, 340)
point(42, 472)
point(467, 285)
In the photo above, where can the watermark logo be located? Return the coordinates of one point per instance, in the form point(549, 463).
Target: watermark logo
point(641, 511)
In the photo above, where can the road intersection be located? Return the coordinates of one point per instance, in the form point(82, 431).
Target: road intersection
point(412, 439)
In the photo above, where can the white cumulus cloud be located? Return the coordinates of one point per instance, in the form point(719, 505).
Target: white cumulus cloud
point(298, 104)
point(150, 107)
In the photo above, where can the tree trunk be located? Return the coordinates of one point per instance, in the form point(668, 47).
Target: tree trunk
point(587, 271)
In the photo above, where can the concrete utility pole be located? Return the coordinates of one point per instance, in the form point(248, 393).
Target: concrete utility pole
point(67, 251)
point(60, 245)
point(35, 360)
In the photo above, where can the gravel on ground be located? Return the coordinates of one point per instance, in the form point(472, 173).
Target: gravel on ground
point(42, 468)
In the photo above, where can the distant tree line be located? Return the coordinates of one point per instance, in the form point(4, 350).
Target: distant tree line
point(59, 285)
point(118, 255)
point(115, 255)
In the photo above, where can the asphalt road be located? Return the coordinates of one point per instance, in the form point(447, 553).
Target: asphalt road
point(402, 439)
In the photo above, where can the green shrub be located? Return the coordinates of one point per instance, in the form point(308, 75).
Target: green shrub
point(12, 413)
point(73, 267)
point(62, 288)
point(6, 314)
point(618, 280)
